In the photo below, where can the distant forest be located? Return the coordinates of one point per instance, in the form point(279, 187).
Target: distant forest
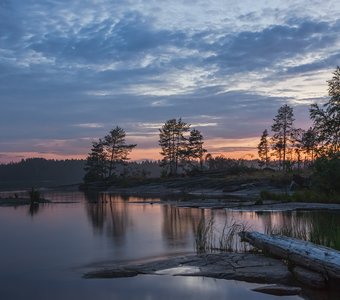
point(38, 172)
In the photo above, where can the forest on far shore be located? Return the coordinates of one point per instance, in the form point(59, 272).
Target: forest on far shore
point(34, 172)
point(40, 172)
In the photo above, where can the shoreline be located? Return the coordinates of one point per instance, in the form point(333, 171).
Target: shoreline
point(248, 267)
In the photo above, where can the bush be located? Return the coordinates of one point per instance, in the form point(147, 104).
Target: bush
point(326, 176)
point(266, 195)
point(34, 195)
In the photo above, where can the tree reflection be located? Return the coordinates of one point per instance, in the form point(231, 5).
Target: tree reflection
point(179, 224)
point(109, 215)
point(33, 209)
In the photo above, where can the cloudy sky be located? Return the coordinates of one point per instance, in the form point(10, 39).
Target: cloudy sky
point(72, 70)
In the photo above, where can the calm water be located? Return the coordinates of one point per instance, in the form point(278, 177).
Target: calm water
point(44, 251)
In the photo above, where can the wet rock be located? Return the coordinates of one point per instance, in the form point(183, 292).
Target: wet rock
point(264, 274)
point(112, 273)
point(239, 266)
point(309, 278)
point(279, 290)
point(181, 270)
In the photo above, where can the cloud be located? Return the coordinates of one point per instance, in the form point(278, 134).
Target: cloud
point(73, 70)
point(204, 124)
point(256, 50)
point(89, 125)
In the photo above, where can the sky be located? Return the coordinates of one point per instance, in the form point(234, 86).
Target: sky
point(72, 70)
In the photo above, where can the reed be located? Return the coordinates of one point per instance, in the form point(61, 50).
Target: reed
point(209, 239)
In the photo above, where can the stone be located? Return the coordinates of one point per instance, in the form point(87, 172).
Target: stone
point(114, 273)
point(279, 290)
point(309, 278)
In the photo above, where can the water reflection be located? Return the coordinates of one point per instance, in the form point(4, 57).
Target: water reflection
point(179, 224)
point(318, 227)
point(33, 209)
point(73, 232)
point(110, 215)
point(114, 216)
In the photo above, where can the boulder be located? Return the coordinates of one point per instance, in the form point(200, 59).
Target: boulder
point(309, 278)
point(279, 290)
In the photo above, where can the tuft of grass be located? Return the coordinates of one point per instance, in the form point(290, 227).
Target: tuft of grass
point(229, 239)
point(204, 235)
point(209, 239)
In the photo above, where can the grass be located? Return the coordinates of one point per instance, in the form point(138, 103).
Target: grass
point(209, 239)
point(305, 195)
point(229, 239)
point(266, 195)
point(319, 228)
point(204, 235)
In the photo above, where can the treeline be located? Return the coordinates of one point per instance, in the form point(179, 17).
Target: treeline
point(319, 145)
point(288, 147)
point(41, 172)
point(181, 147)
point(183, 152)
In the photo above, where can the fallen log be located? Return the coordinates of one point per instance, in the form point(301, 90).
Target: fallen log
point(323, 260)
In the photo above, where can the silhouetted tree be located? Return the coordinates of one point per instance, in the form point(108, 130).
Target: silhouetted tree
point(326, 175)
point(310, 143)
point(297, 145)
point(96, 164)
point(173, 144)
point(116, 149)
point(195, 147)
point(263, 149)
point(282, 128)
point(277, 147)
point(106, 154)
point(326, 120)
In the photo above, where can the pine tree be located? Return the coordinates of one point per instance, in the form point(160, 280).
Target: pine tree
point(297, 145)
point(263, 149)
point(116, 149)
point(195, 147)
point(105, 154)
point(310, 143)
point(282, 128)
point(95, 166)
point(326, 121)
point(173, 143)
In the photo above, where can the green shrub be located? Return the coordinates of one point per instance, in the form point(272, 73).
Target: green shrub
point(266, 195)
point(326, 176)
point(34, 195)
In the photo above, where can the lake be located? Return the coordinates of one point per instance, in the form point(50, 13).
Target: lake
point(46, 249)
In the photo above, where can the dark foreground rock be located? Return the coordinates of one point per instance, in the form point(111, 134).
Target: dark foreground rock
point(249, 267)
point(315, 264)
point(279, 290)
point(308, 277)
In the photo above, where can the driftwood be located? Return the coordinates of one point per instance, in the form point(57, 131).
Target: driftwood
point(323, 260)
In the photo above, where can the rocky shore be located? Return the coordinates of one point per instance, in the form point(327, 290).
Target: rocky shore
point(250, 267)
